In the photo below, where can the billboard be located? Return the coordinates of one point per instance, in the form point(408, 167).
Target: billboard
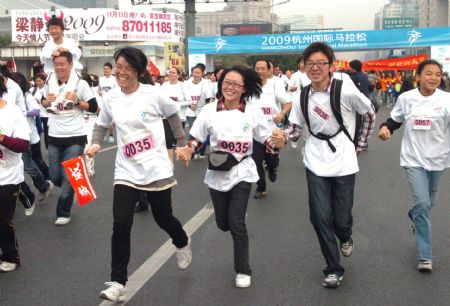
point(134, 24)
point(398, 23)
point(442, 55)
point(245, 29)
point(174, 55)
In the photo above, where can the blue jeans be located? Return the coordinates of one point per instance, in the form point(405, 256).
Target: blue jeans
point(34, 172)
point(424, 186)
point(330, 209)
point(56, 155)
point(190, 121)
point(230, 208)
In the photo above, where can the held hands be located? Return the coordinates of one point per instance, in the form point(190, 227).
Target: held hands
point(278, 138)
point(185, 154)
point(92, 150)
point(384, 133)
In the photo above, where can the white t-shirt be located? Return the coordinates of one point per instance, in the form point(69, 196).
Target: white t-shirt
point(12, 124)
point(177, 92)
point(15, 95)
point(142, 155)
point(299, 80)
point(38, 96)
point(426, 136)
point(272, 99)
point(231, 131)
point(31, 105)
point(70, 123)
point(318, 156)
point(106, 84)
point(198, 92)
point(50, 46)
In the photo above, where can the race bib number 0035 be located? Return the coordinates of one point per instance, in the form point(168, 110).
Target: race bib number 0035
point(234, 147)
point(137, 147)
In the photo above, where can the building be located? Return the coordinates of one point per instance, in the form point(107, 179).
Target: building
point(434, 13)
point(208, 23)
point(397, 9)
point(295, 23)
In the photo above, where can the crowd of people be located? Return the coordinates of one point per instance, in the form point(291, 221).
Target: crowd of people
point(244, 115)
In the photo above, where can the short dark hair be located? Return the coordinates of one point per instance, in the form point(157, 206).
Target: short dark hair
point(135, 57)
point(177, 69)
point(107, 64)
point(197, 67)
point(262, 60)
point(252, 82)
point(201, 66)
point(422, 65)
point(356, 65)
point(65, 54)
point(3, 88)
point(21, 80)
point(217, 70)
point(299, 59)
point(55, 21)
point(319, 47)
point(146, 78)
point(39, 76)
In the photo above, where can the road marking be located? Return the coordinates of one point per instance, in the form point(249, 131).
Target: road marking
point(160, 257)
point(107, 149)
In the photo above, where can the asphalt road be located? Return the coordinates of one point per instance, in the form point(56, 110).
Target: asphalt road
point(68, 265)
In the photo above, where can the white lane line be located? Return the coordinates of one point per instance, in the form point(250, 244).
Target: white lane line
point(160, 257)
point(108, 149)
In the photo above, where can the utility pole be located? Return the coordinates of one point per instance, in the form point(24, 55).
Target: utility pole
point(189, 15)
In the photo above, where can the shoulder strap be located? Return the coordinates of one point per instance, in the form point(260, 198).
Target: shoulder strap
point(304, 97)
point(335, 100)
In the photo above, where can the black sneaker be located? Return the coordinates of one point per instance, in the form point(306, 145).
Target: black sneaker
point(259, 194)
point(347, 248)
point(272, 175)
point(140, 207)
point(332, 281)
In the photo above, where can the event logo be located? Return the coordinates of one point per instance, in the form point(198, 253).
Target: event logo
point(220, 43)
point(413, 36)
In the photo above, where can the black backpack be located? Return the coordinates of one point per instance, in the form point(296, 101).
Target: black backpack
point(335, 101)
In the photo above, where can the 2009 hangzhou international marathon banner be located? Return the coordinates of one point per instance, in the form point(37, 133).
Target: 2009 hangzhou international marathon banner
point(100, 25)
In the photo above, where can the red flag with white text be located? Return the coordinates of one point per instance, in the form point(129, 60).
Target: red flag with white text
point(79, 180)
point(152, 69)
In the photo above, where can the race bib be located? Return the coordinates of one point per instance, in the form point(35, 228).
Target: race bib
point(2, 157)
point(320, 113)
point(234, 147)
point(422, 123)
point(195, 99)
point(267, 111)
point(138, 147)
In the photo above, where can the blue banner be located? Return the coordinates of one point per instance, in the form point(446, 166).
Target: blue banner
point(339, 41)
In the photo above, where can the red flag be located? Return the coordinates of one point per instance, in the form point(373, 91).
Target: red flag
point(12, 65)
point(152, 69)
point(79, 180)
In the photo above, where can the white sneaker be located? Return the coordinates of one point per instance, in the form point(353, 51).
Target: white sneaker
point(243, 280)
point(201, 156)
point(425, 266)
point(44, 195)
point(30, 211)
point(294, 144)
point(184, 255)
point(7, 266)
point(332, 281)
point(62, 220)
point(196, 156)
point(116, 292)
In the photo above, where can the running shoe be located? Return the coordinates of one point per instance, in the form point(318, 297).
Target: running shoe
point(184, 255)
point(294, 144)
point(115, 292)
point(44, 195)
point(425, 266)
point(332, 281)
point(347, 248)
point(243, 280)
point(62, 220)
point(259, 194)
point(30, 211)
point(7, 266)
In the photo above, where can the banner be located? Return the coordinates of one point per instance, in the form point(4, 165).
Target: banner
point(137, 24)
point(403, 63)
point(338, 40)
point(342, 65)
point(175, 55)
point(79, 180)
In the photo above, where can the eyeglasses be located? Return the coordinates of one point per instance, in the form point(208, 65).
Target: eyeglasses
point(233, 85)
point(319, 64)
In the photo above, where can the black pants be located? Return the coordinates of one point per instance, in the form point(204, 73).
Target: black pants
point(26, 196)
point(259, 155)
point(36, 154)
point(230, 208)
point(45, 126)
point(125, 198)
point(8, 240)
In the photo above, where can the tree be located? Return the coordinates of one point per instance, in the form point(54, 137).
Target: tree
point(5, 40)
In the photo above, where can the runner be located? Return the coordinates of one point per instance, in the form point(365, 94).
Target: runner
point(142, 163)
point(275, 103)
point(329, 154)
point(66, 136)
point(232, 125)
point(105, 84)
point(14, 139)
point(425, 149)
point(38, 92)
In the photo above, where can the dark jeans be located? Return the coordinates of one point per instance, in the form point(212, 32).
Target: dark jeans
point(230, 208)
point(330, 208)
point(124, 200)
point(56, 155)
point(8, 240)
point(36, 154)
point(45, 126)
point(259, 155)
point(32, 169)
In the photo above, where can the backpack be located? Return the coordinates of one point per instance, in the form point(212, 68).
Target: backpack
point(335, 101)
